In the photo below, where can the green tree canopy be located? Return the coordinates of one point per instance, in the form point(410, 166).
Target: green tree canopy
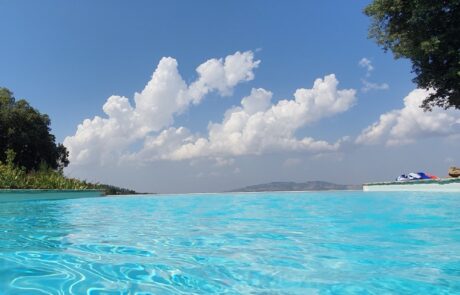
point(26, 131)
point(428, 33)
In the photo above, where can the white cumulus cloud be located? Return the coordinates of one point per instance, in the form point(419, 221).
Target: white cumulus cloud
point(165, 96)
point(410, 123)
point(257, 126)
point(254, 127)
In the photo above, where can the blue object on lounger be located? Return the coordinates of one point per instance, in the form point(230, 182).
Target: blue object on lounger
point(423, 175)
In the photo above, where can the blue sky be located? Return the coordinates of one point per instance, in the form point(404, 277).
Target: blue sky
point(67, 58)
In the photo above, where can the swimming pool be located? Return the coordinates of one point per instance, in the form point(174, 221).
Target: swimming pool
point(264, 243)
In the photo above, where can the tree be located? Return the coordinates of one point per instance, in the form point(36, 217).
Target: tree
point(26, 132)
point(428, 33)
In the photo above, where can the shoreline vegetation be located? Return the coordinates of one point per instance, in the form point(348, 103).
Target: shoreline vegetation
point(13, 177)
point(30, 158)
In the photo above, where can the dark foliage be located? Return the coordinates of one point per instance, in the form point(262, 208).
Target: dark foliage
point(114, 190)
point(26, 131)
point(428, 33)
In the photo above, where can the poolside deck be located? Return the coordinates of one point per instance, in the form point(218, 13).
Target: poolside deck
point(434, 185)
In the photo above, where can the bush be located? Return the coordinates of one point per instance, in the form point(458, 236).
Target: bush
point(13, 177)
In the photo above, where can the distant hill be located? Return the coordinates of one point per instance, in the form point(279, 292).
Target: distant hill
point(297, 186)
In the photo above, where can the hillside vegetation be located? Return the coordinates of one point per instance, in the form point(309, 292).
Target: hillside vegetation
point(14, 177)
point(30, 158)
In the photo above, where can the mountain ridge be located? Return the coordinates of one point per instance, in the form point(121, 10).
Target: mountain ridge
point(316, 185)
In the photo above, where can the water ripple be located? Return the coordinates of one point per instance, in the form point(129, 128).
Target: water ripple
point(280, 243)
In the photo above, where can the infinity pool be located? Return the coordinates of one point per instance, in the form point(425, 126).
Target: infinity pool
point(265, 243)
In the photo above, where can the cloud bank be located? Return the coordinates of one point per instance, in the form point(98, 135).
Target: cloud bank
point(165, 96)
point(406, 125)
point(256, 126)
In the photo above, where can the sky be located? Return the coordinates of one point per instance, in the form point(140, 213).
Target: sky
point(208, 96)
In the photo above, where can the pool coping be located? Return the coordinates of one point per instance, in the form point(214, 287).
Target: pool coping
point(15, 195)
point(441, 181)
point(40, 190)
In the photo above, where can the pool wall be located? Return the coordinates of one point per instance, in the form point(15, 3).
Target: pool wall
point(10, 195)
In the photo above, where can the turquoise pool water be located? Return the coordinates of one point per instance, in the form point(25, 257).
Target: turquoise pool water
point(271, 243)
